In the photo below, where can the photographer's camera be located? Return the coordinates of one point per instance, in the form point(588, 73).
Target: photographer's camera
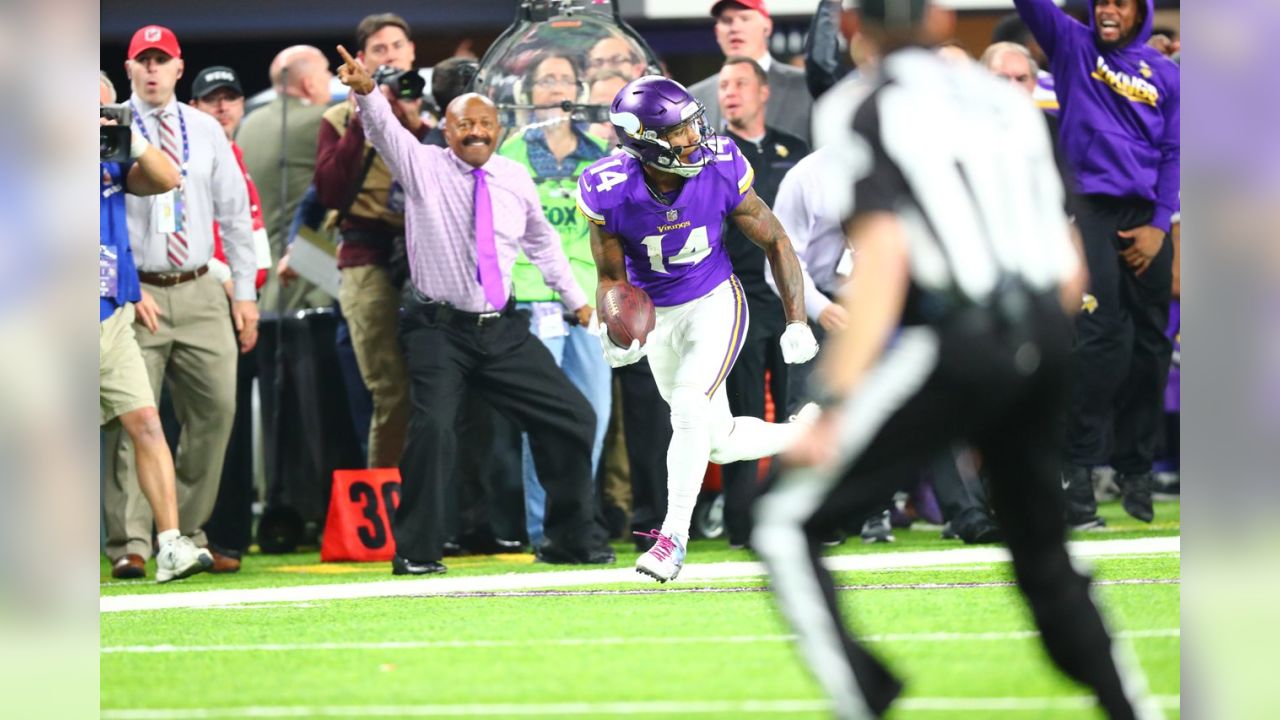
point(404, 84)
point(114, 140)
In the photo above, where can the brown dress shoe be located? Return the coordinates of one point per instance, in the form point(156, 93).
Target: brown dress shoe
point(223, 563)
point(129, 567)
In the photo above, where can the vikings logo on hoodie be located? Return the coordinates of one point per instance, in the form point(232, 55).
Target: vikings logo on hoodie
point(1120, 107)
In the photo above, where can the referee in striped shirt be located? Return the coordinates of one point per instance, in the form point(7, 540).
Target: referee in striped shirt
point(957, 331)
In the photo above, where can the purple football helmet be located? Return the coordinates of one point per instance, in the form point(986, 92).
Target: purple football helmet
point(648, 109)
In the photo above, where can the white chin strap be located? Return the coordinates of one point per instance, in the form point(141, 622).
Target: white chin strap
point(682, 170)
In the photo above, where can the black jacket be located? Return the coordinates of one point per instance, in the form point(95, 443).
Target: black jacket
point(771, 158)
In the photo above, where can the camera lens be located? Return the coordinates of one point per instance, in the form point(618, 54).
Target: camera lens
point(113, 143)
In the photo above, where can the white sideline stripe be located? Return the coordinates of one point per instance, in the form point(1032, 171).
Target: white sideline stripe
point(663, 640)
point(574, 578)
point(686, 707)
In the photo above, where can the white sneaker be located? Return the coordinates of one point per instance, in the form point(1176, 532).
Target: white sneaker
point(180, 559)
point(807, 415)
point(664, 559)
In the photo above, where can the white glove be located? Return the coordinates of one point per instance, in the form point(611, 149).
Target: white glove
point(798, 344)
point(618, 356)
point(137, 144)
point(219, 270)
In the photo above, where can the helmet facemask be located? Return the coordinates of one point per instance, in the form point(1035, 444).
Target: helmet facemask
point(669, 160)
point(657, 152)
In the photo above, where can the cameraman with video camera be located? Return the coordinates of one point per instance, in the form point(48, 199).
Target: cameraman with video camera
point(352, 179)
point(128, 163)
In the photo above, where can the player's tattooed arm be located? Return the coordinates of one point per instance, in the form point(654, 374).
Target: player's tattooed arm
point(611, 268)
point(754, 218)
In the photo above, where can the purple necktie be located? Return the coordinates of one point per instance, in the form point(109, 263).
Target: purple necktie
point(487, 271)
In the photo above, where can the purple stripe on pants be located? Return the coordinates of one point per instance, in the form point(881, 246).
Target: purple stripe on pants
point(737, 338)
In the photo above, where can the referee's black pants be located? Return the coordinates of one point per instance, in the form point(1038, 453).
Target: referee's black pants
point(745, 387)
point(1120, 362)
point(502, 361)
point(974, 380)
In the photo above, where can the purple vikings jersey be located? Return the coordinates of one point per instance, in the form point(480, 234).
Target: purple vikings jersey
point(673, 252)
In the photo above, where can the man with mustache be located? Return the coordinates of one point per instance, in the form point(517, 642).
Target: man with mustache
point(467, 215)
point(1120, 134)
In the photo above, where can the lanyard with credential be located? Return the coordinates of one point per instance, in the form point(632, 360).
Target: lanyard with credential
point(182, 167)
point(182, 125)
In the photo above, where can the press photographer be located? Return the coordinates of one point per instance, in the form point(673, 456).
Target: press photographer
point(131, 164)
point(352, 179)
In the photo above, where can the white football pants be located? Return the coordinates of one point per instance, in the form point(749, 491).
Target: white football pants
point(691, 350)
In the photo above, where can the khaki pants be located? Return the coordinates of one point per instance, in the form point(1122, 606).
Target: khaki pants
point(195, 350)
point(123, 384)
point(372, 309)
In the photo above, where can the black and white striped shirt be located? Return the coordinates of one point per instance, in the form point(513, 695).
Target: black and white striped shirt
point(965, 163)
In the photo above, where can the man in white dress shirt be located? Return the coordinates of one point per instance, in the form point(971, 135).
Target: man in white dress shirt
point(186, 330)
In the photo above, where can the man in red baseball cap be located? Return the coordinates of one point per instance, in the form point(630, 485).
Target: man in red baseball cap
point(154, 36)
point(187, 337)
point(742, 29)
point(757, 5)
point(154, 64)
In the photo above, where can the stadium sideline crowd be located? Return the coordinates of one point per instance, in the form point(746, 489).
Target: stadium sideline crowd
point(472, 361)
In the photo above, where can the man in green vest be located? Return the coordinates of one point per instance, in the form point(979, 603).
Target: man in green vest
point(556, 152)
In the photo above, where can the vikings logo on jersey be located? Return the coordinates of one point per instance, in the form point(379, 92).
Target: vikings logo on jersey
point(674, 251)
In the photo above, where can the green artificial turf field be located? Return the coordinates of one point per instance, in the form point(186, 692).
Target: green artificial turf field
point(712, 647)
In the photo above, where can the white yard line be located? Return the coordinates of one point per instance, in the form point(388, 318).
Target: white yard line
point(674, 707)
point(924, 637)
point(576, 578)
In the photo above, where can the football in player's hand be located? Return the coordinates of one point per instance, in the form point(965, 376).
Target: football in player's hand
point(627, 313)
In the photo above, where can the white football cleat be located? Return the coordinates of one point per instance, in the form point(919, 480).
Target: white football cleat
point(180, 559)
point(664, 559)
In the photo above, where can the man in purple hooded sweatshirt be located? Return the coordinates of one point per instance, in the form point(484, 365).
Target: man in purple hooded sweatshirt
point(1120, 123)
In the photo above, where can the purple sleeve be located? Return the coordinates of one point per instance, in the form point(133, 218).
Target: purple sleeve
point(741, 175)
point(588, 203)
point(1047, 23)
point(1168, 182)
point(398, 147)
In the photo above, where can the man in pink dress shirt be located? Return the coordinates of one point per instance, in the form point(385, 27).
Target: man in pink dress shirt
point(468, 213)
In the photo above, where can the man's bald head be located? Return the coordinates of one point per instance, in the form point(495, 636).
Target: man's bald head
point(458, 106)
point(471, 128)
point(301, 71)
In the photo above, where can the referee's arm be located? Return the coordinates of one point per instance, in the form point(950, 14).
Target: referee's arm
point(877, 291)
point(873, 301)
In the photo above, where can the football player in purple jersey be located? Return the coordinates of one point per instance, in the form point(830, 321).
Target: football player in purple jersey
point(656, 213)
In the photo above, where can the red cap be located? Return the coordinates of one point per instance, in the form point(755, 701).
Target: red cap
point(757, 5)
point(154, 36)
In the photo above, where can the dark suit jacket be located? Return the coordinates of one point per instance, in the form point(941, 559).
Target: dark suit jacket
point(790, 104)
